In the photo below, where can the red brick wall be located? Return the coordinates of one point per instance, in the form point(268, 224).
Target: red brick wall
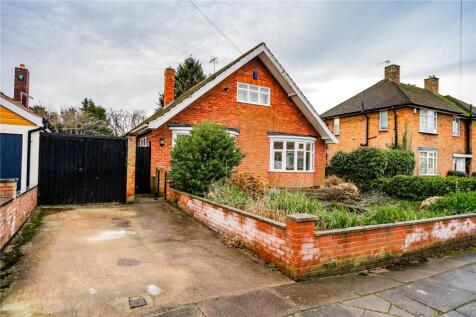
point(301, 252)
point(131, 169)
point(14, 213)
point(352, 135)
point(220, 105)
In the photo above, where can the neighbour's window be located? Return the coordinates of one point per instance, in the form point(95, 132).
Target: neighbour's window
point(257, 95)
point(292, 155)
point(144, 142)
point(428, 121)
point(428, 162)
point(336, 126)
point(383, 120)
point(459, 164)
point(456, 127)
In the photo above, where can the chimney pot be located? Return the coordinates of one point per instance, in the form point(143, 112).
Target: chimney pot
point(392, 72)
point(431, 84)
point(21, 88)
point(169, 85)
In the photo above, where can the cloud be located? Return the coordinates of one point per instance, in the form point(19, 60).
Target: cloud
point(115, 52)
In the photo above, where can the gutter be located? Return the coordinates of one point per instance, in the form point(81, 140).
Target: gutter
point(396, 126)
point(366, 126)
point(28, 151)
point(468, 138)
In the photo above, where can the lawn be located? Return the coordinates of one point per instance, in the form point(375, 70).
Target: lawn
point(357, 210)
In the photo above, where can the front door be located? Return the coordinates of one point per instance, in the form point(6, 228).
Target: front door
point(143, 170)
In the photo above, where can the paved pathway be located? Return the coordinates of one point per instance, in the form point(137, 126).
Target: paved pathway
point(439, 287)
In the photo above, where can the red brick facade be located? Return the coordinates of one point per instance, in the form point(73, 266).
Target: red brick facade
point(15, 212)
point(220, 105)
point(301, 252)
point(352, 135)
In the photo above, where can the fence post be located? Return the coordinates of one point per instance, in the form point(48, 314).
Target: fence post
point(131, 169)
point(166, 184)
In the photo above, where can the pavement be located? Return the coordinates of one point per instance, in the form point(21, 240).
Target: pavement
point(103, 260)
point(96, 261)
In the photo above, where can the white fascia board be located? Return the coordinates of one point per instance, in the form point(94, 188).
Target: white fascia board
point(301, 100)
point(197, 94)
point(37, 120)
point(285, 137)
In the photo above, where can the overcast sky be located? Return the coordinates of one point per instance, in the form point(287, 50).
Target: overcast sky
point(115, 52)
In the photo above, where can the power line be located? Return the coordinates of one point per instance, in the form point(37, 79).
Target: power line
point(215, 26)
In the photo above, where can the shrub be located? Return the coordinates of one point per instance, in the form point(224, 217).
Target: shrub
point(456, 173)
point(456, 203)
point(336, 218)
point(421, 187)
point(389, 214)
point(473, 174)
point(252, 184)
point(207, 155)
point(227, 194)
point(292, 202)
point(365, 165)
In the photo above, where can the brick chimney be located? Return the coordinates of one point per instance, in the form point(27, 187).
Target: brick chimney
point(169, 85)
point(431, 84)
point(392, 72)
point(21, 89)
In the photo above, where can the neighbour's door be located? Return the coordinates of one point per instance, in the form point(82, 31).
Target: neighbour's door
point(11, 156)
point(143, 170)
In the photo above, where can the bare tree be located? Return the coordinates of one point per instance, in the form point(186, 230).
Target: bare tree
point(121, 121)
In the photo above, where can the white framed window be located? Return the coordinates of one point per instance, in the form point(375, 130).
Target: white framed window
point(291, 154)
point(144, 142)
point(336, 126)
point(179, 132)
point(428, 121)
point(459, 164)
point(257, 95)
point(456, 127)
point(383, 121)
point(428, 163)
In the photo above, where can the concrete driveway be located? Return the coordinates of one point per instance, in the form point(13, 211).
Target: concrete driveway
point(90, 261)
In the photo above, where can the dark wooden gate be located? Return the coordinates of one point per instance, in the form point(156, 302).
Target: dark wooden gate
point(143, 170)
point(10, 156)
point(80, 169)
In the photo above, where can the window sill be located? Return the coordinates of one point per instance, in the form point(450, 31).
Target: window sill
point(279, 171)
point(382, 130)
point(456, 136)
point(431, 133)
point(253, 103)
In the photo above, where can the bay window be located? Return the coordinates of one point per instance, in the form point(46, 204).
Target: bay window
point(428, 121)
point(291, 154)
point(428, 162)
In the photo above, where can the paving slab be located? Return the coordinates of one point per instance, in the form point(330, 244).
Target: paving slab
point(459, 278)
point(440, 265)
point(253, 304)
point(467, 257)
point(468, 310)
point(313, 293)
point(440, 296)
point(333, 310)
point(369, 313)
point(183, 311)
point(398, 298)
point(407, 274)
point(471, 267)
point(364, 284)
point(371, 302)
point(395, 311)
point(452, 314)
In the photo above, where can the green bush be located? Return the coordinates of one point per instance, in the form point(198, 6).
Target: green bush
point(421, 187)
point(456, 203)
point(456, 173)
point(207, 155)
point(363, 166)
point(223, 192)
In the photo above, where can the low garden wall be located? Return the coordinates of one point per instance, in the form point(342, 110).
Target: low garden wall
point(14, 211)
point(301, 252)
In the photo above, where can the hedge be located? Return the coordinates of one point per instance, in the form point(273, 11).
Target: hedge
point(421, 187)
point(363, 166)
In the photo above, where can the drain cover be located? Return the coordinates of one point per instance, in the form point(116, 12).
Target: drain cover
point(135, 302)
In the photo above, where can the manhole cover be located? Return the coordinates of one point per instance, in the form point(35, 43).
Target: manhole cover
point(135, 302)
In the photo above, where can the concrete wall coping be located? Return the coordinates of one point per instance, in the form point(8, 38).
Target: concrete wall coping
point(318, 233)
point(8, 180)
point(302, 217)
point(271, 222)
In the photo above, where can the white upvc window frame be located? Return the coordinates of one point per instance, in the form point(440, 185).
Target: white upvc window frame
point(336, 126)
point(249, 89)
point(304, 146)
point(428, 156)
point(456, 128)
point(143, 142)
point(459, 164)
point(428, 120)
point(186, 131)
point(381, 128)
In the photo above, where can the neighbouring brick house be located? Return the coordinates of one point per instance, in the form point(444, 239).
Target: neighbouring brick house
point(254, 99)
point(438, 128)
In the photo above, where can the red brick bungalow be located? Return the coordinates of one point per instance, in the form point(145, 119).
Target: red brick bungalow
point(254, 99)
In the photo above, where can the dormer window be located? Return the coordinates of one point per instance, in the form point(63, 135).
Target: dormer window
point(257, 95)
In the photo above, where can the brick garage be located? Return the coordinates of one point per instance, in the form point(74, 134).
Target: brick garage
point(302, 252)
point(14, 211)
point(286, 114)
